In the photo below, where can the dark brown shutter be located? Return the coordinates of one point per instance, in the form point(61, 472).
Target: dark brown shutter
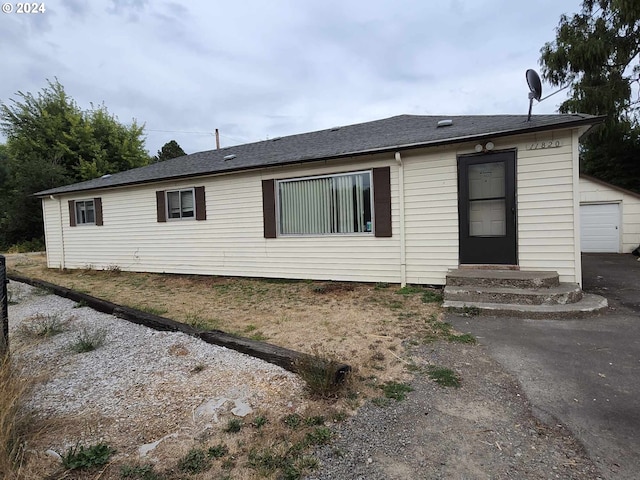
point(269, 208)
point(97, 205)
point(201, 204)
point(162, 211)
point(72, 213)
point(382, 201)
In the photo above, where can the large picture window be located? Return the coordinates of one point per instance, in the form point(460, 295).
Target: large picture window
point(332, 204)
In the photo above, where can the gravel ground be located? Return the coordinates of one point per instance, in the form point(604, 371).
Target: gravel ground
point(484, 429)
point(140, 385)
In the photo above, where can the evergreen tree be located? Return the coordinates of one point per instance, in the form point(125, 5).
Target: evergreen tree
point(596, 52)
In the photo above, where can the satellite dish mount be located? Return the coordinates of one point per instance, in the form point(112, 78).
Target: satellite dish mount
point(535, 89)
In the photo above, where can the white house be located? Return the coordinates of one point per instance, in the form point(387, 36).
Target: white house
point(399, 200)
point(610, 217)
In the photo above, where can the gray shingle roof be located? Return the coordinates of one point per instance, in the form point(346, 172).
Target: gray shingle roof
point(391, 134)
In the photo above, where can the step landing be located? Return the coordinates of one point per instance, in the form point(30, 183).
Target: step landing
point(533, 294)
point(502, 278)
point(557, 295)
point(589, 304)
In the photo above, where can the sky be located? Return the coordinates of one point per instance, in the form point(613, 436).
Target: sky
point(262, 69)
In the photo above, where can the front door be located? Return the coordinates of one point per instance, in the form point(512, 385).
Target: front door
point(487, 208)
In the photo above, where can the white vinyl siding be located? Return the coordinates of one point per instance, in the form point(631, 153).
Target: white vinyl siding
point(231, 242)
point(431, 215)
point(547, 207)
point(544, 198)
point(55, 215)
point(592, 192)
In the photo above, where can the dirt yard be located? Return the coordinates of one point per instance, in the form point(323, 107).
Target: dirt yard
point(359, 324)
point(483, 429)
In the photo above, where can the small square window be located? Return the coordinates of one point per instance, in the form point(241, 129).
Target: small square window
point(180, 204)
point(85, 212)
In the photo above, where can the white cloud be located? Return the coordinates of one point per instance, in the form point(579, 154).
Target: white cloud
point(262, 69)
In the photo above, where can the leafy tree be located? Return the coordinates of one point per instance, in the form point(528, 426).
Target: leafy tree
point(596, 52)
point(52, 142)
point(169, 150)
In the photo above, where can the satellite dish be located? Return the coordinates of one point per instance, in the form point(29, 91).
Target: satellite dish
point(535, 88)
point(535, 85)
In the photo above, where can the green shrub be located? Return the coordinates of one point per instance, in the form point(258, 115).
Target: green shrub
point(195, 461)
point(80, 457)
point(234, 425)
point(218, 451)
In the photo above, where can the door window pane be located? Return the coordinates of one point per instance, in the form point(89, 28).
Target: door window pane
point(486, 180)
point(487, 218)
point(487, 203)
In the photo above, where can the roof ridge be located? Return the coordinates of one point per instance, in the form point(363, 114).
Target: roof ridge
point(399, 132)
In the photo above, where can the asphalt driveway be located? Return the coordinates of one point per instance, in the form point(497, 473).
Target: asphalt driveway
point(581, 373)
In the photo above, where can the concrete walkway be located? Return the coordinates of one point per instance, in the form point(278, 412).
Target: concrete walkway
point(583, 373)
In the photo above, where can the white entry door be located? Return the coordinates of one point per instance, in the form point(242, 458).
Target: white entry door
point(600, 228)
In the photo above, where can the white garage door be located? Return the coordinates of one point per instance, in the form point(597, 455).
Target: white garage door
point(600, 228)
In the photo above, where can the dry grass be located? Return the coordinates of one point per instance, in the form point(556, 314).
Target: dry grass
point(12, 421)
point(360, 324)
point(367, 326)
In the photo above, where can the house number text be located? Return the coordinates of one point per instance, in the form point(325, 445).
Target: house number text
point(541, 145)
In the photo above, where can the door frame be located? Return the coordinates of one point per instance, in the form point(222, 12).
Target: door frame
point(488, 250)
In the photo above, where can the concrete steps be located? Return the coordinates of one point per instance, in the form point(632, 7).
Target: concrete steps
point(517, 292)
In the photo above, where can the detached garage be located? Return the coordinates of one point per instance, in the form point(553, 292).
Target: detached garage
point(609, 217)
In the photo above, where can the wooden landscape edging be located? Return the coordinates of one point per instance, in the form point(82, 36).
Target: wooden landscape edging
point(286, 358)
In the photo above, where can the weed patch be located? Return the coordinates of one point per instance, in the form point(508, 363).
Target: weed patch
point(431, 296)
point(195, 320)
point(464, 338)
point(319, 374)
point(139, 472)
point(234, 425)
point(444, 377)
point(218, 451)
point(381, 402)
point(396, 391)
point(152, 310)
point(292, 421)
point(42, 326)
point(409, 290)
point(469, 311)
point(318, 436)
point(80, 457)
point(258, 337)
point(195, 461)
point(259, 422)
point(89, 340)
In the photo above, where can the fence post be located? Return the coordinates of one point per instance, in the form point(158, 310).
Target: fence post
point(4, 308)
